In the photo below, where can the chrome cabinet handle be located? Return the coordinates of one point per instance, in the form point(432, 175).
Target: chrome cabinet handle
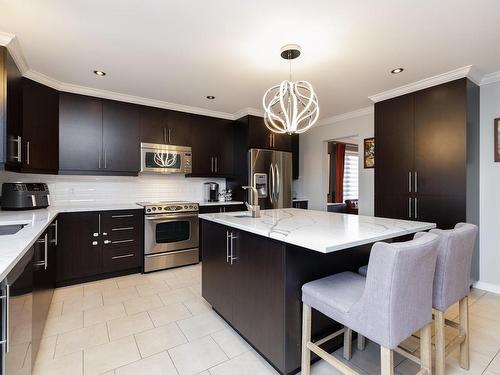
point(121, 216)
point(211, 164)
point(99, 225)
point(95, 234)
point(99, 159)
point(216, 158)
point(28, 152)
point(118, 229)
point(17, 140)
point(233, 258)
point(416, 182)
point(94, 243)
point(105, 160)
point(119, 241)
point(416, 208)
point(122, 256)
point(409, 182)
point(54, 240)
point(169, 138)
point(409, 208)
point(33, 200)
point(228, 236)
point(46, 251)
point(106, 242)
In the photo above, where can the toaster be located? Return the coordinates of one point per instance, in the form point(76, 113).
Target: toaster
point(24, 195)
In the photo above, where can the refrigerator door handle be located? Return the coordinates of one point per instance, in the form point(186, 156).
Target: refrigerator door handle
point(271, 183)
point(278, 187)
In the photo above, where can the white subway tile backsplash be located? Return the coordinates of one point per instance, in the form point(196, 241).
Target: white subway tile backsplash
point(116, 189)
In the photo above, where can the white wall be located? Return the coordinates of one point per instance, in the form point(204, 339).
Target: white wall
point(313, 166)
point(489, 209)
point(113, 189)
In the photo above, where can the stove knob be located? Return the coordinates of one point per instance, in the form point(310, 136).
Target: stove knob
point(154, 208)
point(186, 207)
point(148, 210)
point(159, 208)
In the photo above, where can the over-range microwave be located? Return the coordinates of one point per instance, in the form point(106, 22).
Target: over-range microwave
point(164, 159)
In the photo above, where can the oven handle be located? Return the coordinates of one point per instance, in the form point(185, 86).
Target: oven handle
point(169, 216)
point(170, 253)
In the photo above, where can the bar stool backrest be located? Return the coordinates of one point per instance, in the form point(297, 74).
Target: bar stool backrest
point(452, 277)
point(397, 300)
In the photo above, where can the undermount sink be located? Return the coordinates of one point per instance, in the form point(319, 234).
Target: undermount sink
point(9, 229)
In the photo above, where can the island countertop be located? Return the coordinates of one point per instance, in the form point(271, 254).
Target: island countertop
point(320, 231)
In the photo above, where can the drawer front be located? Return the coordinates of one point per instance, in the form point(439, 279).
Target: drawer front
point(122, 225)
point(222, 208)
point(118, 257)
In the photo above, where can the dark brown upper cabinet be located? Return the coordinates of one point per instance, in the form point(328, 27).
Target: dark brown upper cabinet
point(259, 136)
point(32, 125)
point(212, 143)
point(427, 155)
point(98, 136)
point(164, 126)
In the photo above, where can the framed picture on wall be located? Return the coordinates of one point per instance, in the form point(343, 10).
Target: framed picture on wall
point(497, 140)
point(369, 152)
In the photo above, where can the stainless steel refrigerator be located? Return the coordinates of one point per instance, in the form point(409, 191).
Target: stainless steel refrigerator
point(270, 172)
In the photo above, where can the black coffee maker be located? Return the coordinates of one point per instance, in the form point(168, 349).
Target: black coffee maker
point(211, 191)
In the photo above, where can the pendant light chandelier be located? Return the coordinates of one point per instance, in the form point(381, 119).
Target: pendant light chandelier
point(290, 107)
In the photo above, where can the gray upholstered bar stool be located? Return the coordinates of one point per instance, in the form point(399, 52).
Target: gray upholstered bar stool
point(451, 285)
point(387, 306)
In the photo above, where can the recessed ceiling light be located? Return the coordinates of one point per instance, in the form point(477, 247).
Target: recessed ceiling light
point(99, 73)
point(210, 97)
point(397, 70)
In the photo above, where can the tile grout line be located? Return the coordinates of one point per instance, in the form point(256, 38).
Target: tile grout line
point(490, 362)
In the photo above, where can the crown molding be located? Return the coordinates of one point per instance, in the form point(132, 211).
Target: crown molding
point(346, 116)
point(466, 71)
point(11, 42)
point(491, 78)
point(248, 112)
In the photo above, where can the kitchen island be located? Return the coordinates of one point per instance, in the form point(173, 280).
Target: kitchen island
point(254, 268)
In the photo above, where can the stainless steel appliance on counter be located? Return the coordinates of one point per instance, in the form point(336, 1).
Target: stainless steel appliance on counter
point(170, 235)
point(164, 159)
point(211, 191)
point(24, 196)
point(270, 172)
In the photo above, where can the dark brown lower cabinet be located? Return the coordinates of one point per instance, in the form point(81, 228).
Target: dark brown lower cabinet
point(254, 283)
point(212, 209)
point(44, 281)
point(95, 245)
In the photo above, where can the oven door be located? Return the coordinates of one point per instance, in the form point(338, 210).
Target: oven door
point(171, 232)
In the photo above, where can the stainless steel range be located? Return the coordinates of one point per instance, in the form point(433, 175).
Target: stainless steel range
point(170, 234)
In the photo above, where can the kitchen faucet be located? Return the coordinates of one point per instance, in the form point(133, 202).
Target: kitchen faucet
point(253, 207)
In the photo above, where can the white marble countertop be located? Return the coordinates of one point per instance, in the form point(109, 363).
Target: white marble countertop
point(13, 247)
point(205, 203)
point(321, 231)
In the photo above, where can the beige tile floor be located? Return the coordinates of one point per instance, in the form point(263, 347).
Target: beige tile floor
point(159, 324)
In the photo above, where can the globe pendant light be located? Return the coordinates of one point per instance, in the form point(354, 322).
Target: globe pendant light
point(290, 107)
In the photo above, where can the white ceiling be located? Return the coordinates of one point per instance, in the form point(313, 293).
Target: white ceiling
point(181, 51)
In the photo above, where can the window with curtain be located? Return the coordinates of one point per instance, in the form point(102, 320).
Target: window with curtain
point(351, 175)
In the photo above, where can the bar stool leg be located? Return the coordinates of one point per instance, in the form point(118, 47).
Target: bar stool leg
point(464, 330)
point(306, 337)
point(386, 361)
point(348, 343)
point(426, 349)
point(361, 342)
point(440, 342)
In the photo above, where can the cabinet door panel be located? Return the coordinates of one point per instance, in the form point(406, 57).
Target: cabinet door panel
point(445, 211)
point(153, 124)
point(80, 132)
point(440, 139)
point(120, 137)
point(217, 286)
point(259, 135)
point(393, 146)
point(40, 127)
point(77, 256)
point(179, 131)
point(259, 270)
point(394, 206)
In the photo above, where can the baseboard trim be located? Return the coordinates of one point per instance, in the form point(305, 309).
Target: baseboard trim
point(488, 287)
